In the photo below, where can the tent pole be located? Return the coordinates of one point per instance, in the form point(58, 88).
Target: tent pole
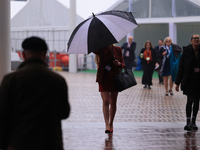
point(5, 48)
point(130, 10)
point(72, 57)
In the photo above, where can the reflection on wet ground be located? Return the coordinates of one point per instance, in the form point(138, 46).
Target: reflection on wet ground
point(145, 119)
point(109, 142)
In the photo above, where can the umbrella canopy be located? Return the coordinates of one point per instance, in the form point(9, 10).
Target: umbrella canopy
point(100, 30)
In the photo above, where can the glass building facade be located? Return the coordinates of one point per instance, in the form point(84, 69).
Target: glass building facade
point(155, 16)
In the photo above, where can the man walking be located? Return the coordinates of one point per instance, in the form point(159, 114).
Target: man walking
point(33, 101)
point(157, 49)
point(129, 52)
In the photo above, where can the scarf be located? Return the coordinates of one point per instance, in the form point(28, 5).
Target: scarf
point(174, 62)
point(147, 54)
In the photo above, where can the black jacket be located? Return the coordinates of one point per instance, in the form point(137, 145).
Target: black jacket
point(176, 50)
point(159, 57)
point(154, 57)
point(185, 71)
point(33, 100)
point(131, 49)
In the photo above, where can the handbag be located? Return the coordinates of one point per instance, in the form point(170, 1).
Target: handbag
point(125, 80)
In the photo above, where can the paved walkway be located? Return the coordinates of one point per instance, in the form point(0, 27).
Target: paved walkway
point(145, 119)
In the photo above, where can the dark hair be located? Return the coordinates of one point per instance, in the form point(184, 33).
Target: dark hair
point(145, 45)
point(161, 40)
point(34, 44)
point(193, 35)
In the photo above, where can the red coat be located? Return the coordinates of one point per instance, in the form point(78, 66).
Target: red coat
point(105, 56)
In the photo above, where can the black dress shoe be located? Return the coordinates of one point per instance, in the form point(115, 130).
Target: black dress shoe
point(149, 87)
point(171, 93)
point(193, 126)
point(145, 87)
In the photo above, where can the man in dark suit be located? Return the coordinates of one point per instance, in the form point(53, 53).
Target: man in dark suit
point(33, 101)
point(129, 52)
point(157, 49)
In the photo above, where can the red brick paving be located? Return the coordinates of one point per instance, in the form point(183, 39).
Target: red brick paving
point(145, 119)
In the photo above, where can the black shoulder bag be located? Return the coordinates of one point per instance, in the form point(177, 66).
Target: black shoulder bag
point(125, 79)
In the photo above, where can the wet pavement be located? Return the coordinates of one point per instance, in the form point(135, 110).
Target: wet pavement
point(145, 120)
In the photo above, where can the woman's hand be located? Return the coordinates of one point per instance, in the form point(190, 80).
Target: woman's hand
point(156, 64)
point(117, 63)
point(177, 88)
point(164, 53)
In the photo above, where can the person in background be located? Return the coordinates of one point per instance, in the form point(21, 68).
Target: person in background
point(149, 61)
point(129, 52)
point(33, 101)
point(171, 54)
point(159, 59)
point(109, 60)
point(189, 77)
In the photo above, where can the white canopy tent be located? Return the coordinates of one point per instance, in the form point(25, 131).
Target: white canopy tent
point(48, 19)
point(15, 7)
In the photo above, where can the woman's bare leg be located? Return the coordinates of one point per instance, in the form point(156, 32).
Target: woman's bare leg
point(113, 107)
point(106, 97)
point(165, 79)
point(171, 83)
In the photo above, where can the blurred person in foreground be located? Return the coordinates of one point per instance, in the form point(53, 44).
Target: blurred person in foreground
point(149, 61)
point(189, 77)
point(33, 101)
point(109, 61)
point(171, 54)
point(129, 52)
point(159, 59)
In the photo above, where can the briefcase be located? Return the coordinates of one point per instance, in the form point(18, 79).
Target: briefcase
point(125, 80)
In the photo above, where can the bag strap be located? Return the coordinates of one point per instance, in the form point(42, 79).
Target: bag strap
point(111, 51)
point(115, 59)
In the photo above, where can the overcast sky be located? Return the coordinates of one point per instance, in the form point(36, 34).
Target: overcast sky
point(85, 8)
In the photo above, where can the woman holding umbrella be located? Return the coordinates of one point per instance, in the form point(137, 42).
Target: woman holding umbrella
point(101, 30)
point(109, 61)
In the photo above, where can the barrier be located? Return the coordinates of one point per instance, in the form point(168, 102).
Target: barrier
point(55, 60)
point(19, 52)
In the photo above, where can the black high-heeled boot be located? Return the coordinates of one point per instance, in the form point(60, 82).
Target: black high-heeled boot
point(193, 124)
point(187, 126)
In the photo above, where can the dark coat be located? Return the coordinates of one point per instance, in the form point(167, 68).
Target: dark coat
point(33, 100)
point(131, 50)
point(148, 68)
point(185, 70)
point(103, 53)
point(159, 57)
point(176, 50)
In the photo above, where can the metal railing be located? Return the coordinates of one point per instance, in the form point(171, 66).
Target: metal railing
point(87, 62)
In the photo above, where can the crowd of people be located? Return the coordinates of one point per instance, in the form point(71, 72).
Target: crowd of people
point(175, 65)
point(165, 59)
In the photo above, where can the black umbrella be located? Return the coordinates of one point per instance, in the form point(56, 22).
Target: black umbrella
point(100, 30)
